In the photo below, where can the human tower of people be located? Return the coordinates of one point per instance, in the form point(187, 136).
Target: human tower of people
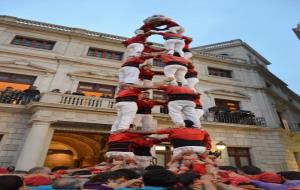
point(129, 146)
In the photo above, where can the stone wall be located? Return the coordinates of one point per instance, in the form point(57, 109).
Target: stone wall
point(14, 127)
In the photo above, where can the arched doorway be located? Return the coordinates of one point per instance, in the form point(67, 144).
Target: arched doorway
point(75, 149)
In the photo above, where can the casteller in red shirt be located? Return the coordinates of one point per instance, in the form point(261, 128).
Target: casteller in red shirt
point(148, 74)
point(135, 61)
point(177, 92)
point(140, 38)
point(189, 135)
point(187, 42)
point(145, 105)
point(171, 60)
point(128, 94)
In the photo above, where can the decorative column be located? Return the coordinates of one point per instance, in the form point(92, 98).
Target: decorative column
point(37, 141)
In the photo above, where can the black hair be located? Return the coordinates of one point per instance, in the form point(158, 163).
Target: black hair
point(228, 168)
point(290, 175)
point(130, 173)
point(102, 177)
point(10, 182)
point(11, 168)
point(250, 170)
point(154, 167)
point(82, 172)
point(118, 174)
point(159, 178)
point(189, 123)
point(176, 54)
point(187, 178)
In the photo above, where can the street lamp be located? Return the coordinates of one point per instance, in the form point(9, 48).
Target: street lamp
point(220, 147)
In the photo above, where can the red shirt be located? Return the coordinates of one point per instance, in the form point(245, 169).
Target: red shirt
point(129, 92)
point(147, 103)
point(191, 72)
point(124, 137)
point(165, 58)
point(170, 23)
point(188, 134)
point(135, 61)
point(268, 177)
point(148, 74)
point(146, 142)
point(140, 38)
point(197, 101)
point(170, 35)
point(149, 49)
point(187, 42)
point(170, 89)
point(145, 106)
point(151, 26)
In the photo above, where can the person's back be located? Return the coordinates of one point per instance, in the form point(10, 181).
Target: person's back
point(11, 182)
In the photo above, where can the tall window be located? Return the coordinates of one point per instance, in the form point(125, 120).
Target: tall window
point(106, 54)
point(279, 114)
point(163, 154)
point(239, 157)
point(219, 72)
point(16, 81)
point(158, 63)
point(230, 105)
point(32, 42)
point(1, 136)
point(98, 90)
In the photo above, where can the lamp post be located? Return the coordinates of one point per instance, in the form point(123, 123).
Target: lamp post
point(220, 147)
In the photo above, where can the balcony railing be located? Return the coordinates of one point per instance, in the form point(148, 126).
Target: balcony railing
point(17, 97)
point(294, 127)
point(231, 118)
point(86, 101)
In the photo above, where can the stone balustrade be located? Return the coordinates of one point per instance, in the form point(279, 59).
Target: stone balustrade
point(78, 101)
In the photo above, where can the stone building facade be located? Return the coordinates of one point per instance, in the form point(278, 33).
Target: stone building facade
point(71, 130)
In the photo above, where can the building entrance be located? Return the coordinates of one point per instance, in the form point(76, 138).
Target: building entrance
point(76, 149)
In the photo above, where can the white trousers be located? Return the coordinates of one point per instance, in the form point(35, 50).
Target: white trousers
point(135, 49)
point(129, 75)
point(146, 83)
point(145, 119)
point(181, 150)
point(125, 155)
point(199, 112)
point(177, 72)
point(143, 161)
point(126, 112)
point(179, 110)
point(188, 55)
point(174, 45)
point(192, 82)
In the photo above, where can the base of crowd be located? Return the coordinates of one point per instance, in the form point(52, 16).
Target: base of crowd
point(112, 175)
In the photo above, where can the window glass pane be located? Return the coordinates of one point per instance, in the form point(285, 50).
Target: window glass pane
point(27, 42)
point(99, 90)
point(232, 161)
point(219, 72)
point(244, 161)
point(35, 43)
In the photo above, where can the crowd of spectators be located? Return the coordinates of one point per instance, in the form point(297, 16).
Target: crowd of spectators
point(154, 177)
point(11, 96)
